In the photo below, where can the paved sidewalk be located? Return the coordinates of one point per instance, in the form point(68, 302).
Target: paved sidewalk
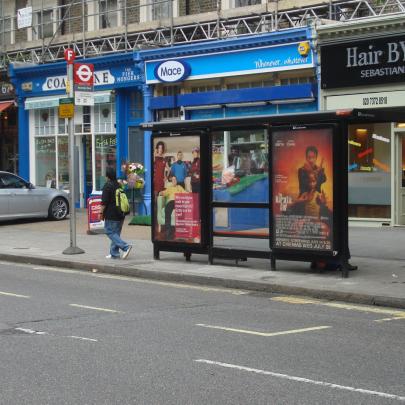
point(379, 253)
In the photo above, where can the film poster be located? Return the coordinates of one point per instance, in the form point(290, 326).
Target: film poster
point(176, 189)
point(302, 189)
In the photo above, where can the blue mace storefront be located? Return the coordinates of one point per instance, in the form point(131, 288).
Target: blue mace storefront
point(263, 74)
point(105, 134)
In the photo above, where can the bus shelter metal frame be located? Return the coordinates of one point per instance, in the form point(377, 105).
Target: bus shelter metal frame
point(339, 119)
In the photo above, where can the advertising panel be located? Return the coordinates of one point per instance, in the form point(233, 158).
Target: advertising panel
point(94, 221)
point(302, 189)
point(176, 189)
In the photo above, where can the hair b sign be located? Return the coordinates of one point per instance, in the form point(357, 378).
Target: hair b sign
point(172, 71)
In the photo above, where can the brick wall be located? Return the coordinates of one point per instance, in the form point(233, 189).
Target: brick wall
point(189, 7)
point(132, 11)
point(20, 35)
point(73, 22)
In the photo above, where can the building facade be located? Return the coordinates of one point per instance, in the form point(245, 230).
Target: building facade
point(363, 66)
point(137, 36)
point(101, 131)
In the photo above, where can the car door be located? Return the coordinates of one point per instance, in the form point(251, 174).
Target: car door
point(22, 202)
point(5, 196)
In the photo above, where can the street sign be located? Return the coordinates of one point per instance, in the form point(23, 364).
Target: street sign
point(69, 55)
point(66, 108)
point(84, 97)
point(83, 74)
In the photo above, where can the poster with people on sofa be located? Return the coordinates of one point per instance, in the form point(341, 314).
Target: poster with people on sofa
point(176, 189)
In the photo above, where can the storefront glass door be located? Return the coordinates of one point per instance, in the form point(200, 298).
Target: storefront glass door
point(400, 179)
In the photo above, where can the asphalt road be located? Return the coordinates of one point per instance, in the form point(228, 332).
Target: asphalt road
point(71, 337)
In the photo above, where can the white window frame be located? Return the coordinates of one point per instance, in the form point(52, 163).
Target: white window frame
point(53, 133)
point(146, 11)
point(33, 33)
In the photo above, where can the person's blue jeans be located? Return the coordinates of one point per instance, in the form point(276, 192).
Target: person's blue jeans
point(113, 231)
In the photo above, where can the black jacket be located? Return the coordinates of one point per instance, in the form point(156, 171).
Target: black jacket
point(108, 201)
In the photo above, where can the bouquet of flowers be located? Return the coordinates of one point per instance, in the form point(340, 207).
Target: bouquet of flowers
point(134, 171)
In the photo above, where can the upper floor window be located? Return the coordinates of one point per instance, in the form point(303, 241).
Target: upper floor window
point(108, 13)
point(6, 30)
point(44, 23)
point(160, 9)
point(243, 3)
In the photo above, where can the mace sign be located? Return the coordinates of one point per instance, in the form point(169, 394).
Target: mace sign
point(363, 63)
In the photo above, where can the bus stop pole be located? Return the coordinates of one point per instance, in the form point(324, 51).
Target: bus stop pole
point(73, 249)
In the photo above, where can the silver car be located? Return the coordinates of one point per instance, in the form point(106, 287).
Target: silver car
point(21, 199)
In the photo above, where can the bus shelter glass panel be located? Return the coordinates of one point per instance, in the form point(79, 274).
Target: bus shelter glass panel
point(370, 170)
point(249, 222)
point(240, 175)
point(240, 166)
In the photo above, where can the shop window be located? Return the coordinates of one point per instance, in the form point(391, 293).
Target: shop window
point(44, 121)
point(370, 171)
point(135, 145)
point(82, 120)
point(244, 85)
point(45, 161)
point(240, 166)
point(206, 88)
point(170, 90)
point(105, 149)
point(285, 81)
point(104, 118)
point(169, 114)
point(62, 126)
point(136, 105)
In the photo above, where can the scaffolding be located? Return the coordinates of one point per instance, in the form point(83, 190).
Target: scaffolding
point(92, 30)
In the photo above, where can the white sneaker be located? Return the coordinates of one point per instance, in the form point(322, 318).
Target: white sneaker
point(111, 257)
point(126, 253)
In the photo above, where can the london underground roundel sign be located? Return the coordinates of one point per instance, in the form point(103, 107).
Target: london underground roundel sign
point(83, 74)
point(172, 71)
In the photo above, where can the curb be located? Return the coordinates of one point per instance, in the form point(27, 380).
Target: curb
point(331, 295)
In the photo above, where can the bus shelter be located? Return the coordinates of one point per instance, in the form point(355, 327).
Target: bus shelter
point(271, 187)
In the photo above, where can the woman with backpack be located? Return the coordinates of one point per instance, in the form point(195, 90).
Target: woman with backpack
point(113, 217)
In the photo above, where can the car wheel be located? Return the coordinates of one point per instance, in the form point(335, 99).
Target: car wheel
point(58, 209)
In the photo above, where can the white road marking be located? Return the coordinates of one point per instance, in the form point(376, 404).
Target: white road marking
point(14, 295)
point(265, 334)
point(35, 332)
point(31, 331)
point(303, 380)
point(94, 308)
point(82, 338)
point(395, 318)
point(340, 305)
